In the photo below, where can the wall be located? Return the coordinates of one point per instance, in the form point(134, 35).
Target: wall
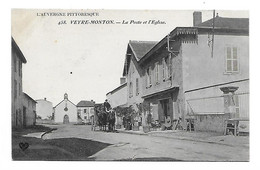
point(88, 114)
point(133, 74)
point(60, 112)
point(200, 69)
point(118, 97)
point(212, 123)
point(30, 106)
point(203, 76)
point(17, 115)
point(176, 97)
point(44, 108)
point(213, 99)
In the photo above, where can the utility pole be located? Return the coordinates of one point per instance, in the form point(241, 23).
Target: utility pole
point(213, 27)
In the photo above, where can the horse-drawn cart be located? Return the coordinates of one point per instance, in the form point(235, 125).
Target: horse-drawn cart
point(103, 119)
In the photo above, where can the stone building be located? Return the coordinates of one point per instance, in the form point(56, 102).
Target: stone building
point(17, 59)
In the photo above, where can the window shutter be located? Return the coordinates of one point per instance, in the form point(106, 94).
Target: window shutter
point(163, 68)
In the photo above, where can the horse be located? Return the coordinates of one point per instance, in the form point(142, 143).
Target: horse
point(102, 120)
point(111, 120)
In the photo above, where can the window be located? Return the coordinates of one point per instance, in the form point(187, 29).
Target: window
point(130, 75)
point(168, 61)
point(231, 60)
point(137, 87)
point(163, 69)
point(85, 110)
point(156, 73)
point(15, 89)
point(149, 77)
point(130, 89)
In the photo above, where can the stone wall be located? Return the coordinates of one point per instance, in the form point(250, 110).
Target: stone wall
point(210, 122)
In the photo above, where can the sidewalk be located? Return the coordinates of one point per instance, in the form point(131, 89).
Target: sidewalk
point(207, 137)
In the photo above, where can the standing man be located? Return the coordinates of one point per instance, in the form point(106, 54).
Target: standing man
point(107, 106)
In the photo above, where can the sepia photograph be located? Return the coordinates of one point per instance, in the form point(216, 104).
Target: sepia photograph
point(130, 85)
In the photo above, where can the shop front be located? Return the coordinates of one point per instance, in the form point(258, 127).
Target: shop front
point(163, 107)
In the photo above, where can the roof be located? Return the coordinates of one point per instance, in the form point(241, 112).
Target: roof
point(43, 100)
point(229, 23)
point(26, 95)
point(85, 103)
point(222, 25)
point(118, 88)
point(16, 48)
point(62, 101)
point(140, 48)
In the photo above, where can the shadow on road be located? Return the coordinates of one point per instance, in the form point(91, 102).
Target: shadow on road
point(52, 149)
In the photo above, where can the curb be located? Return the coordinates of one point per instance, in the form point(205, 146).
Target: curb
point(178, 138)
point(132, 132)
point(49, 131)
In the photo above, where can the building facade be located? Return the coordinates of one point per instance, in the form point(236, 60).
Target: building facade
point(44, 108)
point(29, 110)
point(133, 71)
point(182, 76)
point(65, 112)
point(17, 59)
point(118, 96)
point(85, 110)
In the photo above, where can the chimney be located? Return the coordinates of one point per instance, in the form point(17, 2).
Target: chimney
point(122, 80)
point(197, 18)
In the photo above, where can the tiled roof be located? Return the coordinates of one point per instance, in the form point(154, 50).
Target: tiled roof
point(85, 103)
point(140, 48)
point(230, 23)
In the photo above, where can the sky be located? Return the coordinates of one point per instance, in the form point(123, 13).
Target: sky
point(86, 61)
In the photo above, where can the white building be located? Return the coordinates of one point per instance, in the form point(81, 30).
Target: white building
point(65, 112)
point(86, 110)
point(44, 108)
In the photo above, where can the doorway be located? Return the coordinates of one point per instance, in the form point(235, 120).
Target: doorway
point(165, 109)
point(66, 119)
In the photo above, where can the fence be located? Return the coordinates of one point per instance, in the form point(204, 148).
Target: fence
point(208, 112)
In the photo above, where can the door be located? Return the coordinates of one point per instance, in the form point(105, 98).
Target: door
point(66, 119)
point(165, 109)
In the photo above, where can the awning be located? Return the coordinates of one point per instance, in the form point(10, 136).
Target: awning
point(160, 93)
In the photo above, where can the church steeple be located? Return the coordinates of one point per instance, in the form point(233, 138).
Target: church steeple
point(66, 96)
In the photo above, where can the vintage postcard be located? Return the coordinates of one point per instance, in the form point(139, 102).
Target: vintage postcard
point(130, 85)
